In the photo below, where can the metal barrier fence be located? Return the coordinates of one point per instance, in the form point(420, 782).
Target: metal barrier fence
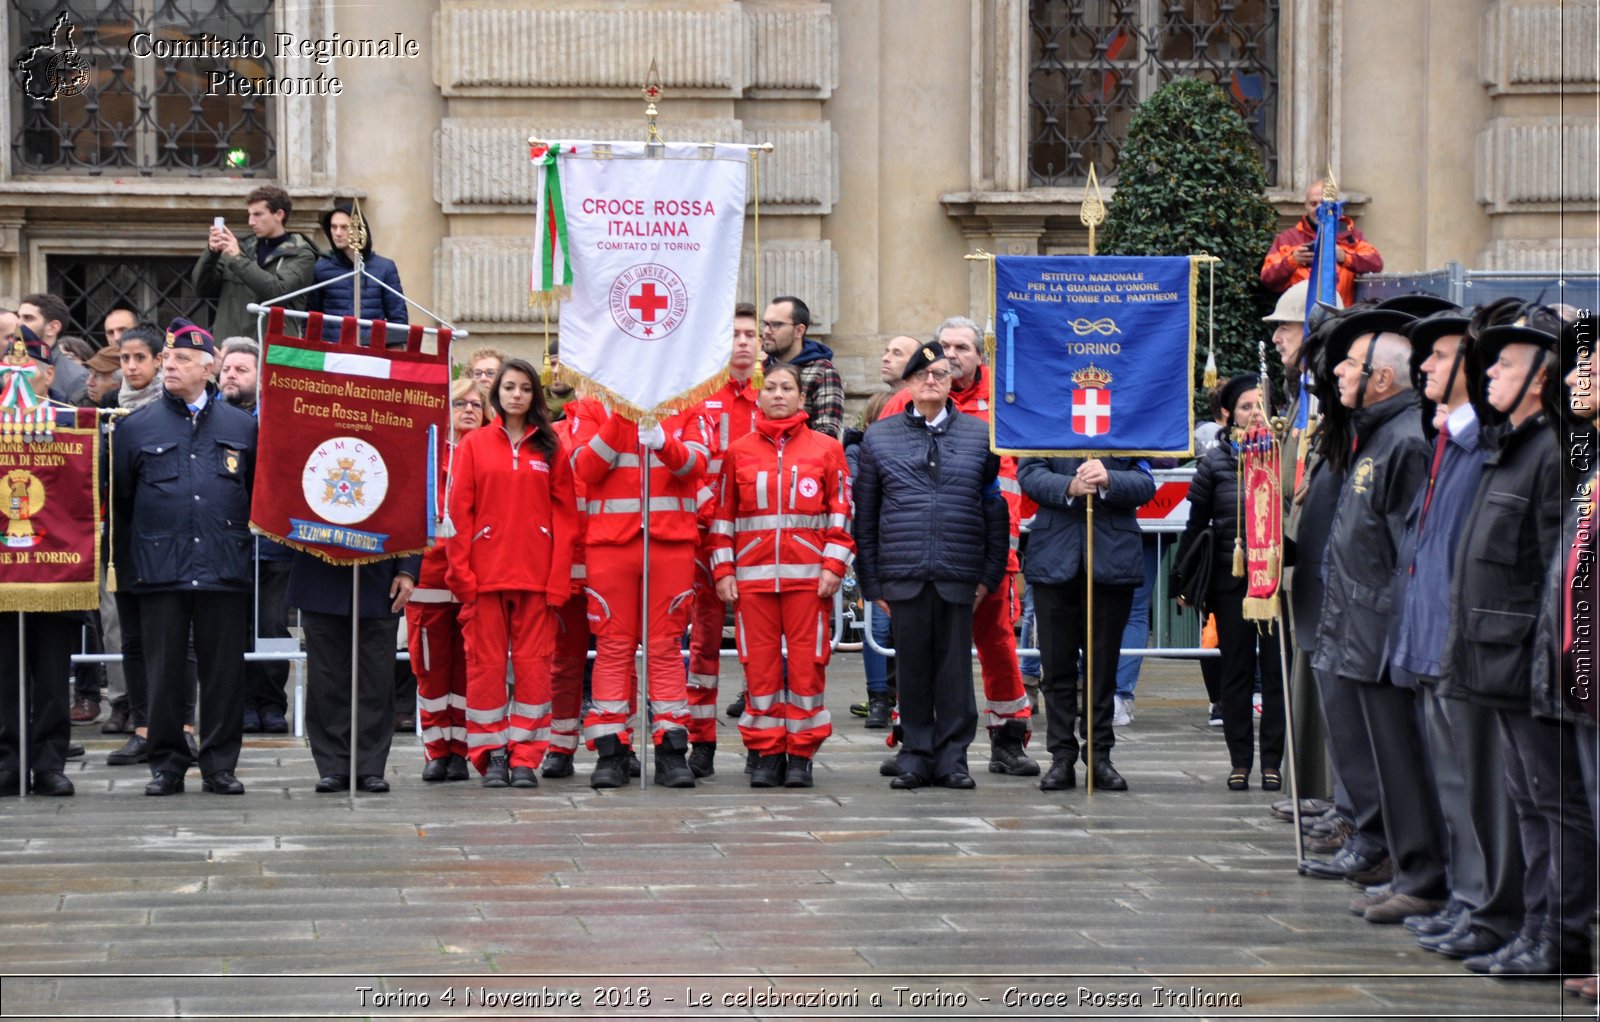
point(1463, 286)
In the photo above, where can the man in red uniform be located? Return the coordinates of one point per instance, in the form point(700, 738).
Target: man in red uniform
point(725, 416)
point(572, 620)
point(1006, 712)
point(1288, 262)
point(607, 456)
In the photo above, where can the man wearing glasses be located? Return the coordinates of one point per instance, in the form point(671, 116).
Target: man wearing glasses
point(783, 339)
point(931, 535)
point(484, 365)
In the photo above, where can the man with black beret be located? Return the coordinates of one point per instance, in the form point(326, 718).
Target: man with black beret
point(931, 535)
point(182, 472)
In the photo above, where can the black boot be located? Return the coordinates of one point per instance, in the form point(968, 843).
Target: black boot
point(498, 773)
point(434, 769)
point(672, 769)
point(768, 772)
point(611, 768)
point(1005, 751)
point(456, 768)
point(797, 772)
point(700, 759)
point(557, 764)
point(879, 709)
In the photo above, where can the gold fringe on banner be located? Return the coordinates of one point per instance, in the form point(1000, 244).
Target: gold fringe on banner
point(632, 412)
point(559, 293)
point(322, 556)
point(49, 597)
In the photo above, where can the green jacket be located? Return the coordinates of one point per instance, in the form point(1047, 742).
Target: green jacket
point(236, 281)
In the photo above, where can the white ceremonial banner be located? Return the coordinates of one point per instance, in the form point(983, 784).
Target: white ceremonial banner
point(653, 244)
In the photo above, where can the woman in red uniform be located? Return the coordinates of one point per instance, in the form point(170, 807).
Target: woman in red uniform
point(781, 545)
point(510, 559)
point(433, 633)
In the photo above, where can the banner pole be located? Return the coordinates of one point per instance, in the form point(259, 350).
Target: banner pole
point(1288, 736)
point(22, 708)
point(643, 703)
point(355, 664)
point(1088, 642)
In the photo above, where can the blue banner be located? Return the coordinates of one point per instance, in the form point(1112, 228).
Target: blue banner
point(337, 535)
point(1094, 354)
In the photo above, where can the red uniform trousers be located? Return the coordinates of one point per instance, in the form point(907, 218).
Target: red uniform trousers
point(521, 622)
point(782, 717)
point(439, 660)
point(566, 674)
point(614, 576)
point(1003, 695)
point(705, 663)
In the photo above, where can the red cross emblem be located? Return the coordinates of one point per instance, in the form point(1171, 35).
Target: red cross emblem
point(648, 301)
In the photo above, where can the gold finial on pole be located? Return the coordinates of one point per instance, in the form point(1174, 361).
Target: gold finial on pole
point(1330, 187)
point(358, 227)
point(1093, 211)
point(652, 91)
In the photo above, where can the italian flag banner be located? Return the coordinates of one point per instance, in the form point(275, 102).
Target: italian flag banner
point(642, 249)
point(348, 437)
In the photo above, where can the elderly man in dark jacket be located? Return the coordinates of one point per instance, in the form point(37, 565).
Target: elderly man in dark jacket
point(931, 534)
point(1513, 530)
point(182, 474)
point(1388, 464)
point(1056, 569)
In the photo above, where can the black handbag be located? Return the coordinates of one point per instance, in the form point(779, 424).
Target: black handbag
point(1192, 572)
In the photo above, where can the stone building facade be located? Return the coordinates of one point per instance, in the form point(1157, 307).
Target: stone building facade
point(906, 133)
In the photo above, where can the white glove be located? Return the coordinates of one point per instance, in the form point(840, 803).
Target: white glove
point(652, 437)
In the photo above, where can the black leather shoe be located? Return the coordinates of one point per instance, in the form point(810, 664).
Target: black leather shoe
point(1505, 952)
point(768, 772)
point(524, 777)
point(51, 782)
point(1061, 776)
point(907, 781)
point(221, 782)
point(332, 784)
point(373, 784)
point(74, 750)
point(1477, 940)
point(165, 783)
point(1106, 777)
point(252, 721)
point(498, 773)
point(273, 722)
point(117, 723)
point(556, 765)
point(456, 769)
point(1006, 754)
point(434, 769)
point(890, 766)
point(135, 750)
point(1443, 921)
point(1540, 958)
point(736, 708)
point(1338, 867)
point(960, 780)
point(10, 783)
point(797, 772)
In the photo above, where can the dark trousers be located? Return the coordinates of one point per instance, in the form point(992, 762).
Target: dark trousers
point(1312, 774)
point(218, 621)
point(89, 679)
point(1354, 772)
point(938, 710)
point(1062, 613)
point(1484, 850)
point(49, 640)
point(268, 678)
point(328, 692)
point(134, 672)
point(1412, 826)
point(1558, 843)
point(1246, 650)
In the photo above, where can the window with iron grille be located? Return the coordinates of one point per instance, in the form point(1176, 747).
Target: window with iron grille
point(131, 114)
point(156, 288)
point(1092, 62)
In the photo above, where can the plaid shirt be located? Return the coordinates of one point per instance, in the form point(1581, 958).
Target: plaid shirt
point(824, 397)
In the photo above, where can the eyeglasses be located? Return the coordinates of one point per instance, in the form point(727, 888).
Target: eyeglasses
point(484, 374)
point(462, 402)
point(774, 324)
point(936, 375)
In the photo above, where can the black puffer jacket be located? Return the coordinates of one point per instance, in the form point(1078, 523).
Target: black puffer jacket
point(928, 504)
point(182, 495)
point(1510, 536)
point(1214, 505)
point(1388, 466)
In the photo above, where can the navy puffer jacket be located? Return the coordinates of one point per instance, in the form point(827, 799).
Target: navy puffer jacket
point(928, 504)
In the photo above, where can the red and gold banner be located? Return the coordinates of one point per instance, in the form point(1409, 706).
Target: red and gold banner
point(1260, 468)
point(348, 434)
point(50, 504)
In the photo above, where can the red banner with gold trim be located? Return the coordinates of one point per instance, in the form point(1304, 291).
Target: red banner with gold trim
point(50, 506)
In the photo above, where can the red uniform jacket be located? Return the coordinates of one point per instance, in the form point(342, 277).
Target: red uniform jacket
point(431, 584)
point(783, 510)
point(725, 416)
point(513, 510)
point(1280, 272)
point(974, 401)
point(606, 458)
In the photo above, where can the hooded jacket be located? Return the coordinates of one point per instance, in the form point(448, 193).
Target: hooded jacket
point(1388, 467)
point(377, 302)
point(1280, 272)
point(821, 389)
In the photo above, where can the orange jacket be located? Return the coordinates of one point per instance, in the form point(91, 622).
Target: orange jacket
point(1280, 272)
point(513, 509)
point(974, 401)
point(605, 456)
point(783, 510)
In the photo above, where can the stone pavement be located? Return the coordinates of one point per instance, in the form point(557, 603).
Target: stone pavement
point(1001, 902)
